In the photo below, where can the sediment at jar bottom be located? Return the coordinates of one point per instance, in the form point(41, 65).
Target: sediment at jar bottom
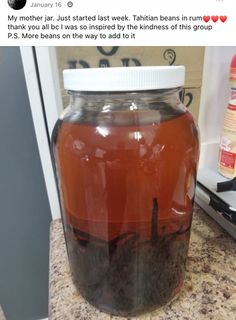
point(129, 277)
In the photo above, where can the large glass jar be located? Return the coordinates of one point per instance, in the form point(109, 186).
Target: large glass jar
point(126, 152)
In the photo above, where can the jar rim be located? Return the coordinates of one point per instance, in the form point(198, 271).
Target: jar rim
point(118, 79)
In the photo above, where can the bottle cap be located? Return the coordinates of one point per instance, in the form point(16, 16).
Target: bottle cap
point(124, 78)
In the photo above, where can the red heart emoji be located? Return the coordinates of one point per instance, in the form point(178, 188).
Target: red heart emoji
point(206, 18)
point(214, 18)
point(223, 18)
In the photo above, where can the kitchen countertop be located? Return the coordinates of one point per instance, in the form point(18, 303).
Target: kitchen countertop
point(209, 290)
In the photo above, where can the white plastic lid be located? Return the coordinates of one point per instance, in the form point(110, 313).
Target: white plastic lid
point(124, 78)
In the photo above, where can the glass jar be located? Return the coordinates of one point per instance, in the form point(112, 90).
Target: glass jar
point(126, 153)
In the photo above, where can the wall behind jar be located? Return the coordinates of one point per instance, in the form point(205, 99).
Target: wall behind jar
point(191, 57)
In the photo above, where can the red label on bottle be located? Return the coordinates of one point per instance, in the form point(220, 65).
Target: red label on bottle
point(227, 159)
point(232, 76)
point(232, 107)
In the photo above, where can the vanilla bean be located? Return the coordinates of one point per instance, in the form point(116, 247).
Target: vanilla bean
point(154, 224)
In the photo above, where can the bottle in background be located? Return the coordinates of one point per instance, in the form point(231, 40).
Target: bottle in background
point(232, 78)
point(227, 154)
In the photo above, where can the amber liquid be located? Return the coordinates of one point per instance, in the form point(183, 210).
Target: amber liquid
point(127, 194)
